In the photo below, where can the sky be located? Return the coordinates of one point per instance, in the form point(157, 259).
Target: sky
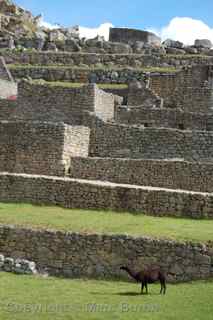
point(182, 20)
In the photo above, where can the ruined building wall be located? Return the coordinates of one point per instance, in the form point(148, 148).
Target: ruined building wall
point(55, 103)
point(164, 117)
point(190, 89)
point(182, 175)
point(40, 148)
point(104, 107)
point(76, 142)
point(143, 97)
point(50, 103)
point(121, 141)
point(164, 86)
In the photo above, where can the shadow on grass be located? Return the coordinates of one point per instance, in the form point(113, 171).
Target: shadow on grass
point(137, 294)
point(128, 293)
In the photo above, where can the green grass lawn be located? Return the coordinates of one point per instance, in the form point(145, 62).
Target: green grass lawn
point(28, 297)
point(89, 221)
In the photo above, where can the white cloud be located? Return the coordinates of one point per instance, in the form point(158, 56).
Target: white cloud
point(48, 25)
point(84, 32)
point(102, 30)
point(183, 29)
point(186, 30)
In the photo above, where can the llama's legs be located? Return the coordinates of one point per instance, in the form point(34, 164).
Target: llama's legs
point(163, 287)
point(142, 287)
point(164, 291)
point(146, 288)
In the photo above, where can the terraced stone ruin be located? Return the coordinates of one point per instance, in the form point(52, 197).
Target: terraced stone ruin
point(123, 126)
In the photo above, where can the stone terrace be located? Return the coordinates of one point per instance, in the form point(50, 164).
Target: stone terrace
point(100, 195)
point(148, 150)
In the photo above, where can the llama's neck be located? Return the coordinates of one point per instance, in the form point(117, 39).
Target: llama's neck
point(131, 272)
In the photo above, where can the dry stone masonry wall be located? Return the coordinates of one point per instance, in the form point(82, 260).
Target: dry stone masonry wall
point(189, 89)
point(175, 174)
point(86, 194)
point(107, 60)
point(164, 118)
point(40, 147)
point(102, 255)
point(122, 141)
point(56, 103)
point(145, 147)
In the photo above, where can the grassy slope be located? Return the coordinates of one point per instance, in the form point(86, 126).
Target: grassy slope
point(86, 221)
point(192, 301)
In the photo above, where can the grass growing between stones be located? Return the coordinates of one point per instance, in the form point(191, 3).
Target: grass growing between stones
point(94, 67)
point(89, 221)
point(27, 297)
point(66, 84)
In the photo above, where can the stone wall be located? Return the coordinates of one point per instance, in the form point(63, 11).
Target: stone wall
point(104, 107)
point(143, 97)
point(121, 92)
point(109, 60)
point(100, 256)
point(122, 141)
point(56, 103)
point(79, 75)
point(85, 194)
point(165, 86)
point(164, 117)
point(40, 148)
point(190, 89)
point(181, 175)
point(50, 103)
point(7, 109)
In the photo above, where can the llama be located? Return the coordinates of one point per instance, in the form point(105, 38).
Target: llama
point(148, 275)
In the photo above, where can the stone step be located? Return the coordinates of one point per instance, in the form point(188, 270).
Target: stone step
point(87, 194)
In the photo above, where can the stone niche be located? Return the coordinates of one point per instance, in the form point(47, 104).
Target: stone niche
point(42, 148)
